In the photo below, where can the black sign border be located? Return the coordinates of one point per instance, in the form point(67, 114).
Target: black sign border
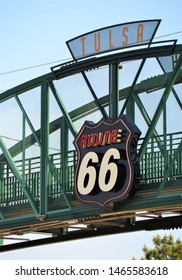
point(92, 125)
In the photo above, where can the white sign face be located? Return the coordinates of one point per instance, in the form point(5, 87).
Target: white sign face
point(113, 38)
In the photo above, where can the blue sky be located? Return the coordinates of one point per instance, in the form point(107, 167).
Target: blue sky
point(34, 32)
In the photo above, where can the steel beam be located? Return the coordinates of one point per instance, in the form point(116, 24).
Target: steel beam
point(90, 108)
point(64, 156)
point(160, 106)
point(73, 68)
point(147, 119)
point(27, 119)
point(44, 140)
point(133, 85)
point(100, 107)
point(63, 109)
point(155, 224)
point(113, 91)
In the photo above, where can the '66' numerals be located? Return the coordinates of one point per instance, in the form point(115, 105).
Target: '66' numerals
point(89, 176)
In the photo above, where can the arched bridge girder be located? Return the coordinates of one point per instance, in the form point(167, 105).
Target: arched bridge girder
point(52, 194)
point(148, 86)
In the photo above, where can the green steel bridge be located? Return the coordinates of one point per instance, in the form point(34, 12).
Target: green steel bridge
point(41, 118)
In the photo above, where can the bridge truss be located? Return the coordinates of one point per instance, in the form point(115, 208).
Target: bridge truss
point(41, 118)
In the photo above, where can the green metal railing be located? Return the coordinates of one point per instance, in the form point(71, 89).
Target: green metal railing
point(153, 165)
point(158, 156)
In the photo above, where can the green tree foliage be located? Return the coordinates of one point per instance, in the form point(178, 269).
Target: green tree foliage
point(165, 248)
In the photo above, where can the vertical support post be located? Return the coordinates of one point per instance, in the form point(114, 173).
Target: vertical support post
point(165, 134)
point(171, 142)
point(23, 147)
point(113, 91)
point(64, 153)
point(130, 107)
point(44, 167)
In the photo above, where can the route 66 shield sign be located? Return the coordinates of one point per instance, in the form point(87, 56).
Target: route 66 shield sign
point(107, 167)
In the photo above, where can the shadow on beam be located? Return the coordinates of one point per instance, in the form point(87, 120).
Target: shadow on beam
point(155, 224)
